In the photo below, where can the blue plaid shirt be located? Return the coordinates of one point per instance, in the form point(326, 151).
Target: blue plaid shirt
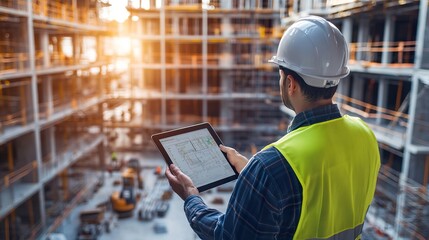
point(267, 197)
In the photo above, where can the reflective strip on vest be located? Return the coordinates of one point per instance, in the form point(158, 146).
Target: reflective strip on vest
point(347, 234)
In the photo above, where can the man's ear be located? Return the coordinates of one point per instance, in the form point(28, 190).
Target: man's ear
point(292, 84)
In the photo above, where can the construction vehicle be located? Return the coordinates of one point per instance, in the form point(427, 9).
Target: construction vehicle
point(91, 224)
point(124, 202)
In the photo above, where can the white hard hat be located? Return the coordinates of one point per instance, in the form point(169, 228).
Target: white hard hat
point(316, 50)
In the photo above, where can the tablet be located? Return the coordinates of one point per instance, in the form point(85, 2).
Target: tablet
point(195, 151)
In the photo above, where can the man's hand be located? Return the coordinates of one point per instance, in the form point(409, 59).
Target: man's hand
point(180, 183)
point(235, 158)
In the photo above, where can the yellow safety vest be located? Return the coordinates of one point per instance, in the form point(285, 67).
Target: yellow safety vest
point(337, 163)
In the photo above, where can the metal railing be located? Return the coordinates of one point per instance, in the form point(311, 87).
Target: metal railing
point(384, 205)
point(371, 52)
point(372, 112)
point(68, 154)
point(20, 117)
point(11, 179)
point(15, 4)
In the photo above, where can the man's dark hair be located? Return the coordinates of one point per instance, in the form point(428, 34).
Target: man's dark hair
point(311, 93)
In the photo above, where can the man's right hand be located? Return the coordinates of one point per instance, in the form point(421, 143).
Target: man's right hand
point(235, 158)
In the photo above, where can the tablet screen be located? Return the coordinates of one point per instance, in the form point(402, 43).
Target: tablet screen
point(197, 154)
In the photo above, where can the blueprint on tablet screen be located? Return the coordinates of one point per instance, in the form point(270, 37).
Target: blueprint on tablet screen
point(198, 156)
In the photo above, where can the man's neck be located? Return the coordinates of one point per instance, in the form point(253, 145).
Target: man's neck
point(305, 106)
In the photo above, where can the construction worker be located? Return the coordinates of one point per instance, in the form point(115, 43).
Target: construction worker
point(318, 180)
point(114, 159)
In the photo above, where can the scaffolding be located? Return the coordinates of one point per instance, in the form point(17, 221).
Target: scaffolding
point(201, 61)
point(52, 67)
point(388, 89)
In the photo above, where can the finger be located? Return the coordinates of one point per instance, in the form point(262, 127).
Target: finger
point(176, 171)
point(171, 178)
point(225, 149)
point(179, 174)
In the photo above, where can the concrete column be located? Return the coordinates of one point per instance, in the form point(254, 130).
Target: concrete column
point(226, 27)
point(381, 97)
point(407, 156)
point(343, 88)
point(175, 25)
point(421, 57)
point(163, 68)
point(152, 4)
point(204, 48)
point(278, 5)
point(139, 27)
point(34, 95)
point(99, 48)
point(306, 5)
point(226, 112)
point(358, 88)
point(347, 29)
point(52, 145)
point(102, 159)
point(226, 4)
point(363, 33)
point(75, 14)
point(185, 30)
point(76, 48)
point(296, 7)
point(389, 31)
point(44, 45)
point(47, 90)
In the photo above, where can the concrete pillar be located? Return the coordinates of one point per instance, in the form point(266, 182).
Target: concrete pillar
point(204, 70)
point(226, 112)
point(226, 27)
point(74, 8)
point(76, 40)
point(347, 29)
point(44, 45)
point(421, 59)
point(102, 159)
point(226, 4)
point(163, 67)
point(343, 88)
point(296, 7)
point(401, 198)
point(47, 95)
point(363, 34)
point(52, 145)
point(389, 31)
point(306, 5)
point(358, 88)
point(278, 5)
point(381, 98)
point(34, 95)
point(175, 26)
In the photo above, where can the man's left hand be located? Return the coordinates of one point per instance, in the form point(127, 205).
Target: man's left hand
point(180, 182)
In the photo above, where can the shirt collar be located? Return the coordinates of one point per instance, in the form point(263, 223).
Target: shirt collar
point(315, 115)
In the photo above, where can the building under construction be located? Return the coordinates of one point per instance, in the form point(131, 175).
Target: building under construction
point(207, 62)
point(389, 88)
point(53, 67)
point(193, 61)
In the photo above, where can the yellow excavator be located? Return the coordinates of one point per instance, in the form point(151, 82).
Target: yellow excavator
point(124, 202)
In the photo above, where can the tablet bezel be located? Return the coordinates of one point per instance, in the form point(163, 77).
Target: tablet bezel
point(157, 137)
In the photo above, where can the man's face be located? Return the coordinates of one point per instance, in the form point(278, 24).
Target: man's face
point(284, 82)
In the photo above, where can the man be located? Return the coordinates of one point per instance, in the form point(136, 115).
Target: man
point(317, 181)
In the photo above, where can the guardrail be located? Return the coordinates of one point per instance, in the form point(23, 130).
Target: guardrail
point(9, 181)
point(372, 52)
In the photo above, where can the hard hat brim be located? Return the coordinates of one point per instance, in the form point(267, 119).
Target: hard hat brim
point(313, 80)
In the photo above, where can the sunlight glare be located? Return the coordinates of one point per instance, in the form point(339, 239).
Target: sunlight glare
point(116, 12)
